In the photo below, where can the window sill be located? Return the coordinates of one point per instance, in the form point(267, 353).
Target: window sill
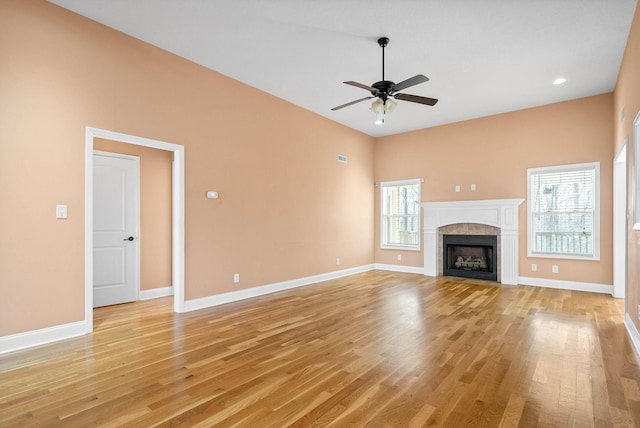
point(399, 247)
point(591, 258)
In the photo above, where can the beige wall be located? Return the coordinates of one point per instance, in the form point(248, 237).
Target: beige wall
point(287, 207)
point(155, 210)
point(494, 153)
point(627, 97)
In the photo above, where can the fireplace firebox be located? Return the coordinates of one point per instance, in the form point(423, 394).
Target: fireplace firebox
point(470, 256)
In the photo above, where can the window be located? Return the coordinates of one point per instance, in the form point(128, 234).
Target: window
point(564, 206)
point(400, 214)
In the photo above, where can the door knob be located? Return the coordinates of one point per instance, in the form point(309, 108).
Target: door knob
point(128, 239)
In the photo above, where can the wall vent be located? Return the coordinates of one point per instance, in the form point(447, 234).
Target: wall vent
point(343, 159)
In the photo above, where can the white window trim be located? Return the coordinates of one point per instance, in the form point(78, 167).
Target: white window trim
point(596, 211)
point(382, 185)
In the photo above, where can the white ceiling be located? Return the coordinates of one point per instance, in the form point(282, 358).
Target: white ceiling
point(483, 56)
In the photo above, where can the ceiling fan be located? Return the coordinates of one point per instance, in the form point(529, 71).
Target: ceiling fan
point(385, 90)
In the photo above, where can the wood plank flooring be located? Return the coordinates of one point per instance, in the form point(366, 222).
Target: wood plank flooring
point(374, 349)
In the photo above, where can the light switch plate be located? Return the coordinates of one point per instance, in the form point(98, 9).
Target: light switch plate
point(61, 211)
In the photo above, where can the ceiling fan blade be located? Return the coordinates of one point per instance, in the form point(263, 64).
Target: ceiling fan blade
point(416, 99)
point(360, 85)
point(410, 82)
point(351, 103)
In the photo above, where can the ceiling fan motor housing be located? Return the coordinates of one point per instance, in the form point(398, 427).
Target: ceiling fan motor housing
point(384, 88)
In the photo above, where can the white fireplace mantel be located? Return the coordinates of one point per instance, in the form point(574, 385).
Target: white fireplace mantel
point(501, 213)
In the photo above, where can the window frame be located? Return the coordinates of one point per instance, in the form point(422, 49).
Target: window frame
point(595, 233)
point(383, 216)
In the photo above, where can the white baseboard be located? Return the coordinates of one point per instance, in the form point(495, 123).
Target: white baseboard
point(633, 332)
point(400, 268)
point(566, 285)
point(537, 282)
point(43, 336)
point(233, 296)
point(154, 293)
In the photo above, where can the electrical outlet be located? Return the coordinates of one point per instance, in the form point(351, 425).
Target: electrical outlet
point(534, 267)
point(338, 261)
point(554, 268)
point(473, 187)
point(236, 278)
point(399, 256)
point(457, 187)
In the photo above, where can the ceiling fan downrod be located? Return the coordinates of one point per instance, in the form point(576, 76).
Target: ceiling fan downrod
point(383, 42)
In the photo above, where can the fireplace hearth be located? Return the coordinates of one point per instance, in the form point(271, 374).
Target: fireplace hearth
point(470, 256)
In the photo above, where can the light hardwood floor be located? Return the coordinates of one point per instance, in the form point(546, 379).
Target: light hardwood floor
point(373, 349)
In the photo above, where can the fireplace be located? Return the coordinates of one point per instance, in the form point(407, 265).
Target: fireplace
point(470, 256)
point(498, 213)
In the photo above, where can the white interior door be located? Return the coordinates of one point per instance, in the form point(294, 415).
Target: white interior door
point(115, 228)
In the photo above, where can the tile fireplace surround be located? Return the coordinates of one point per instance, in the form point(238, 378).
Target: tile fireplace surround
point(500, 213)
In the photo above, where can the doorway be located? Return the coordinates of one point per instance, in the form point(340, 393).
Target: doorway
point(620, 223)
point(177, 203)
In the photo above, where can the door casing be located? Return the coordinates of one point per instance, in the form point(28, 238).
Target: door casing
point(620, 223)
point(177, 214)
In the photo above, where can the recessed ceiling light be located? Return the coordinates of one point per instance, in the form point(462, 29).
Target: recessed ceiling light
point(559, 81)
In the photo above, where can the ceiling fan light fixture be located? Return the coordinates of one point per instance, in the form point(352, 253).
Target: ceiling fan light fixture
point(381, 107)
point(377, 106)
point(390, 105)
